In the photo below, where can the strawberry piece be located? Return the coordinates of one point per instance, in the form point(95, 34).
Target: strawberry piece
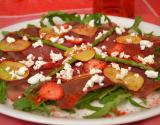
point(76, 41)
point(51, 91)
point(94, 63)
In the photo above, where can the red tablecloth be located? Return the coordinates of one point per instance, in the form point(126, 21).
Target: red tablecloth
point(12, 11)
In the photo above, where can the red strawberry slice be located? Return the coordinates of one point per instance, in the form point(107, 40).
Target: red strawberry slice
point(51, 91)
point(94, 63)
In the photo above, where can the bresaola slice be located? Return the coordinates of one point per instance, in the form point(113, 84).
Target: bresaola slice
point(73, 90)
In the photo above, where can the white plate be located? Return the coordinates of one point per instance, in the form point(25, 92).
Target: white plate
point(8, 110)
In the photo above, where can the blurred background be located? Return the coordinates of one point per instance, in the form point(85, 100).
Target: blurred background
point(20, 10)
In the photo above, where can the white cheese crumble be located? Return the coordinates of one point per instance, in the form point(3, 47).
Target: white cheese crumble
point(94, 71)
point(24, 38)
point(103, 47)
point(94, 79)
point(39, 43)
point(103, 20)
point(66, 73)
point(119, 30)
point(17, 74)
point(123, 73)
point(67, 37)
point(100, 52)
point(54, 39)
point(61, 30)
point(59, 81)
point(145, 44)
point(2, 58)
point(151, 74)
point(100, 34)
point(55, 57)
point(61, 40)
point(78, 64)
point(39, 63)
point(148, 59)
point(21, 71)
point(58, 20)
point(115, 54)
point(91, 23)
point(30, 60)
point(39, 77)
point(115, 65)
point(123, 55)
point(10, 39)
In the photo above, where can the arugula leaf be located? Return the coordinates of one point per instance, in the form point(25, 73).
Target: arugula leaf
point(26, 104)
point(4, 33)
point(108, 106)
point(73, 17)
point(133, 102)
point(136, 23)
point(3, 91)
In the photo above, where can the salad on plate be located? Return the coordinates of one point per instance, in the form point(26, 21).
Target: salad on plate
point(80, 66)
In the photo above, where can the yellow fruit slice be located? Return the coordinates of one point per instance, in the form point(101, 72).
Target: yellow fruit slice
point(133, 81)
point(111, 73)
point(18, 45)
point(81, 54)
point(9, 67)
point(128, 39)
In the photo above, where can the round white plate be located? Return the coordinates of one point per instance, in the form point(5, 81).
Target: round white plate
point(8, 110)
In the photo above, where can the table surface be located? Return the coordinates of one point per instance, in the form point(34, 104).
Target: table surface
point(13, 11)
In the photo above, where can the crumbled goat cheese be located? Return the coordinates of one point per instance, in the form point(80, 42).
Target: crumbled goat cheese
point(94, 79)
point(145, 43)
point(136, 75)
point(82, 16)
point(69, 37)
point(7, 68)
point(61, 30)
point(39, 77)
point(91, 23)
point(21, 71)
point(115, 54)
point(10, 39)
point(123, 73)
point(123, 55)
point(103, 20)
point(54, 39)
point(29, 62)
point(100, 52)
point(39, 43)
point(58, 20)
point(103, 47)
point(39, 63)
point(78, 64)
point(25, 38)
point(148, 59)
point(115, 65)
point(151, 74)
point(100, 34)
point(67, 73)
point(2, 58)
point(95, 71)
point(55, 57)
point(119, 30)
point(17, 74)
point(61, 40)
point(59, 81)
point(128, 40)
point(46, 22)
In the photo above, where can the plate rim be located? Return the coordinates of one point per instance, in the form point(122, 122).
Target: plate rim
point(47, 120)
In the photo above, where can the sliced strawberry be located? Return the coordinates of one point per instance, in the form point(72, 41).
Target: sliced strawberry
point(76, 41)
point(51, 91)
point(94, 63)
